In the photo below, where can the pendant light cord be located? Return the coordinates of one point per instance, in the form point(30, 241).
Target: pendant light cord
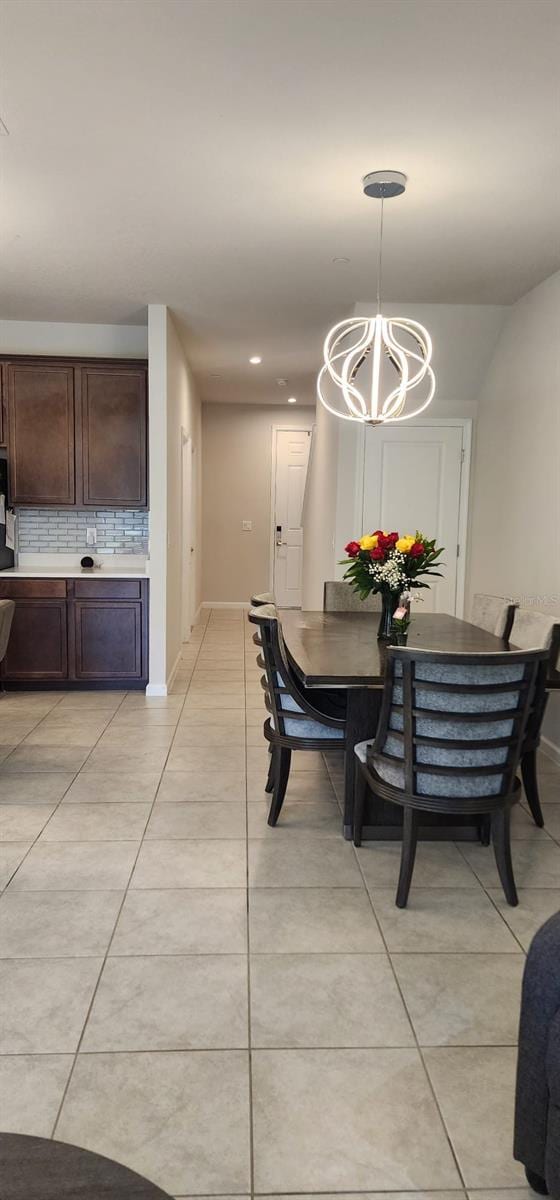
point(379, 259)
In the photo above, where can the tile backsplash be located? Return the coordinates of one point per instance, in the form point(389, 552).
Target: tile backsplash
point(61, 531)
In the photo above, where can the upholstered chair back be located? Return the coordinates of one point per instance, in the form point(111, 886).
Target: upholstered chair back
point(291, 713)
point(493, 613)
point(532, 629)
point(453, 725)
point(339, 597)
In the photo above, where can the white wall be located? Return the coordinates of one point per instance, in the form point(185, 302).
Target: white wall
point(515, 509)
point(173, 405)
point(58, 337)
point(320, 511)
point(237, 466)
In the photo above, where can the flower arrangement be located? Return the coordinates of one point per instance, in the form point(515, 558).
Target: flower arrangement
point(390, 564)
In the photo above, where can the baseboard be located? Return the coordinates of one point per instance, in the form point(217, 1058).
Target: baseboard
point(224, 604)
point(173, 672)
point(196, 615)
point(550, 749)
point(156, 689)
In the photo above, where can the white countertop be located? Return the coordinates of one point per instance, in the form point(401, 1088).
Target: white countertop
point(67, 566)
point(70, 573)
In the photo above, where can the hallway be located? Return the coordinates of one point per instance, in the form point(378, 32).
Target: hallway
point(234, 1010)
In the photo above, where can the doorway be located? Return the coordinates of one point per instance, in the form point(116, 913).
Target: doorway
point(290, 458)
point(187, 535)
point(416, 477)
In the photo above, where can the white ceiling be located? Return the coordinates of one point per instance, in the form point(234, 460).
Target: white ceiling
point(207, 154)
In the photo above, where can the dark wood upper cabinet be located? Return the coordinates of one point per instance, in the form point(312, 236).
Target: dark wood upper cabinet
point(114, 419)
point(41, 422)
point(77, 432)
point(3, 401)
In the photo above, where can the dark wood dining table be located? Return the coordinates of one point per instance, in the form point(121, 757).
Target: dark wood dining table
point(341, 650)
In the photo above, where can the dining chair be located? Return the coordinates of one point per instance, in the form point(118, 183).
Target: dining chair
point(262, 598)
point(338, 596)
point(294, 722)
point(450, 737)
point(532, 629)
point(7, 609)
point(493, 613)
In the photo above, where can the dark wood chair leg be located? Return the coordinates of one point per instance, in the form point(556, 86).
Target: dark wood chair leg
point(283, 760)
point(485, 829)
point(408, 855)
point(502, 851)
point(360, 793)
point(269, 785)
point(530, 783)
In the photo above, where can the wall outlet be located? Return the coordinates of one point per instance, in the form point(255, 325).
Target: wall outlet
point(247, 526)
point(91, 537)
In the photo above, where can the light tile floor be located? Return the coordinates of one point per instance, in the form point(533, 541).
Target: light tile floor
point(234, 1010)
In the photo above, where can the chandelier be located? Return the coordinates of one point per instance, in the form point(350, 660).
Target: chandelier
point(400, 350)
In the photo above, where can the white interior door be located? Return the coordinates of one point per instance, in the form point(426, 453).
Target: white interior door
point(412, 480)
point(187, 563)
point(292, 456)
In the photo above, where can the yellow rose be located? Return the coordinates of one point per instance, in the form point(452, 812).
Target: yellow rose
point(368, 542)
point(405, 543)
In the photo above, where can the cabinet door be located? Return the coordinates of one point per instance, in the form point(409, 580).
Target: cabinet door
point(38, 643)
point(41, 433)
point(3, 402)
point(114, 418)
point(108, 639)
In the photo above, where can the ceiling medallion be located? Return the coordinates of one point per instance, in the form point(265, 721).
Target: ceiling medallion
point(397, 342)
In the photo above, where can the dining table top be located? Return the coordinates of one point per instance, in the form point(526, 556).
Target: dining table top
point(340, 649)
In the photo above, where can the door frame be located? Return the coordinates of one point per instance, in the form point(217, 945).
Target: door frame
point(276, 429)
point(466, 425)
point(187, 563)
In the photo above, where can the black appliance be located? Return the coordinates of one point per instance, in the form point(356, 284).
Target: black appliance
point(6, 556)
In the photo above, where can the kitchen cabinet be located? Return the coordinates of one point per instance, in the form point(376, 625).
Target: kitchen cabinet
point(77, 432)
point(38, 643)
point(113, 412)
point(41, 425)
point(77, 632)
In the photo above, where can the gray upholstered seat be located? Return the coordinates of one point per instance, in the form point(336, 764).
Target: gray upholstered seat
point(262, 598)
point(339, 597)
point(493, 613)
point(7, 609)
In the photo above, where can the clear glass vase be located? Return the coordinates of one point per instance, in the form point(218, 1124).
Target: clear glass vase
point(390, 604)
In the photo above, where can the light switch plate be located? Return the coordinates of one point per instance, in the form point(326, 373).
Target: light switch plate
point(91, 536)
point(247, 526)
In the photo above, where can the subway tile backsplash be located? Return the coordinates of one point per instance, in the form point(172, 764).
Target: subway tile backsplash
point(61, 531)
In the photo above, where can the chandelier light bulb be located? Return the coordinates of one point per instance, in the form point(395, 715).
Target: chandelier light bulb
point(405, 345)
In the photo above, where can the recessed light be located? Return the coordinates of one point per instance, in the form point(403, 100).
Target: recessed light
point(255, 360)
point(292, 399)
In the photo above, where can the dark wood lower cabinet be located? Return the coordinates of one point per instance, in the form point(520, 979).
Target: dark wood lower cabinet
point(108, 639)
point(77, 633)
point(38, 645)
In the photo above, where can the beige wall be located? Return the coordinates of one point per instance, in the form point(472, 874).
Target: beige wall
point(236, 482)
point(515, 498)
point(183, 414)
point(173, 405)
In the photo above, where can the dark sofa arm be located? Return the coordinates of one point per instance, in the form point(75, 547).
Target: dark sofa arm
point(540, 1006)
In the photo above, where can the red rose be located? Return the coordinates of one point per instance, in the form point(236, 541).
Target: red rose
point(416, 550)
point(377, 553)
point(378, 533)
point(352, 549)
point(387, 540)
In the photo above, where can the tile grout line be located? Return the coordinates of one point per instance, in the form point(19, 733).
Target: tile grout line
point(118, 915)
point(59, 802)
point(419, 1050)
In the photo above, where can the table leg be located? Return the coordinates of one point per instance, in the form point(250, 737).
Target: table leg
point(362, 715)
